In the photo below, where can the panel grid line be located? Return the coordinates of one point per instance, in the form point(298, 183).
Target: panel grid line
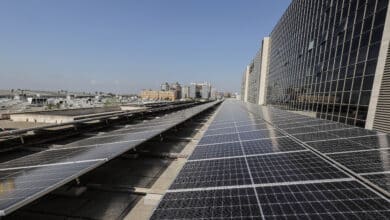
point(261, 185)
point(357, 151)
point(337, 165)
point(250, 174)
point(250, 155)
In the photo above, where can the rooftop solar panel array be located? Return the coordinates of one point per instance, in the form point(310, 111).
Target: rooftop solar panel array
point(257, 162)
point(28, 178)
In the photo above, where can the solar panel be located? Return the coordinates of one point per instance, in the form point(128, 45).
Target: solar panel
point(28, 178)
point(44, 157)
point(252, 135)
point(117, 138)
point(217, 151)
point(352, 132)
point(315, 136)
point(377, 141)
point(299, 124)
point(251, 122)
point(380, 179)
point(220, 126)
point(211, 173)
point(338, 145)
point(271, 145)
point(23, 185)
point(365, 161)
point(223, 138)
point(276, 159)
point(257, 127)
point(238, 203)
point(330, 126)
point(315, 128)
point(290, 167)
point(306, 129)
point(333, 200)
point(220, 131)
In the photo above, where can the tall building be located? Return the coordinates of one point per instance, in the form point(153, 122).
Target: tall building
point(331, 58)
point(193, 91)
point(244, 87)
point(185, 92)
point(158, 95)
point(254, 77)
point(245, 84)
point(165, 87)
point(177, 88)
point(205, 90)
point(200, 90)
point(213, 94)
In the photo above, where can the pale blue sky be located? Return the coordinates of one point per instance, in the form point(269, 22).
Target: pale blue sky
point(125, 46)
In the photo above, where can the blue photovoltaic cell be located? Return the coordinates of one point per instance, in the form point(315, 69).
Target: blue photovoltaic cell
point(338, 145)
point(380, 179)
point(335, 200)
point(252, 135)
point(211, 173)
point(365, 161)
point(290, 167)
point(216, 139)
point(238, 203)
point(224, 125)
point(352, 132)
point(251, 122)
point(253, 127)
point(216, 151)
point(271, 145)
point(377, 141)
point(315, 136)
point(220, 131)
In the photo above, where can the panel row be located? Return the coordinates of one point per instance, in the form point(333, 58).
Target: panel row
point(335, 200)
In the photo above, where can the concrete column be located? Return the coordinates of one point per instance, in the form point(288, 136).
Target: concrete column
point(380, 66)
point(246, 84)
point(263, 71)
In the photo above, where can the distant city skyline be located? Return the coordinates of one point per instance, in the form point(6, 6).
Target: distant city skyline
point(127, 46)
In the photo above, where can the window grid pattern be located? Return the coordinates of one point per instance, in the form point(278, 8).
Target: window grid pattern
point(323, 57)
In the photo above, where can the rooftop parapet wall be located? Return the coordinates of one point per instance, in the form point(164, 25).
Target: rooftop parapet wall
point(61, 116)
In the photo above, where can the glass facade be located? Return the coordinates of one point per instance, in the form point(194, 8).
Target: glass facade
point(253, 72)
point(243, 86)
point(323, 57)
point(255, 79)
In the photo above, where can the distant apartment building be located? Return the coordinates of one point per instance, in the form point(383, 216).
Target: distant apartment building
point(328, 57)
point(165, 87)
point(244, 87)
point(194, 91)
point(227, 95)
point(159, 95)
point(200, 90)
point(150, 94)
point(178, 89)
point(205, 90)
point(185, 92)
point(213, 94)
point(175, 91)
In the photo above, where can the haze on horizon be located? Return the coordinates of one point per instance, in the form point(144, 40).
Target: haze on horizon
point(126, 46)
